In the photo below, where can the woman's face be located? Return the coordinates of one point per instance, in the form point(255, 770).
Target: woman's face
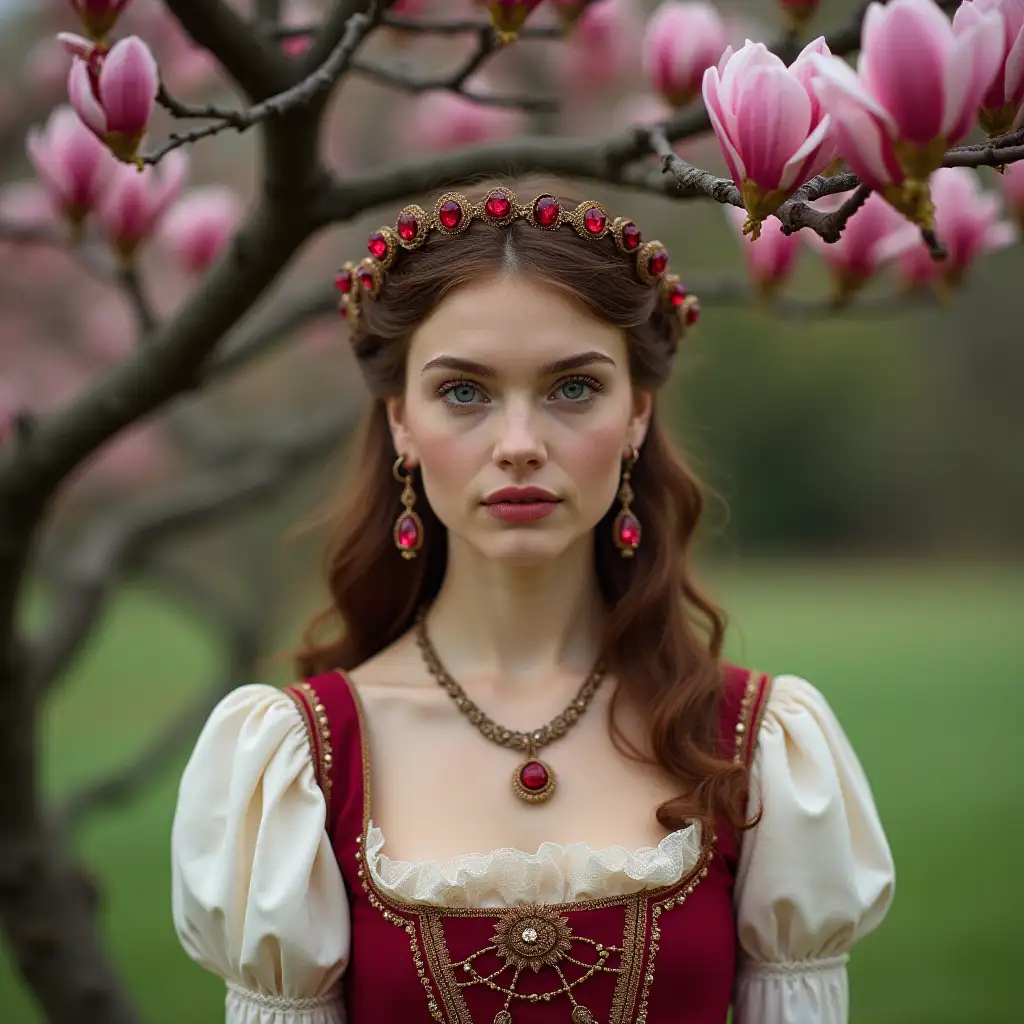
point(511, 384)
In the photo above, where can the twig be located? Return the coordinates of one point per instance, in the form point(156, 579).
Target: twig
point(407, 83)
point(304, 92)
point(232, 118)
point(334, 28)
point(144, 316)
point(936, 249)
point(259, 67)
point(1007, 149)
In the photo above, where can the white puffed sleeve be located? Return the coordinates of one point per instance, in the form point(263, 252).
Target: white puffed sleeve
point(257, 896)
point(815, 875)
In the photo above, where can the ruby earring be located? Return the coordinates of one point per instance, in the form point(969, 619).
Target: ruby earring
point(408, 532)
point(626, 528)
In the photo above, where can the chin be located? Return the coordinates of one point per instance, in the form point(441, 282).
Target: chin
point(522, 548)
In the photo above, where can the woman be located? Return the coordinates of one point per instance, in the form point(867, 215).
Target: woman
point(698, 836)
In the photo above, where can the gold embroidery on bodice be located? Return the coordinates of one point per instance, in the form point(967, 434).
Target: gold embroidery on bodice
point(530, 936)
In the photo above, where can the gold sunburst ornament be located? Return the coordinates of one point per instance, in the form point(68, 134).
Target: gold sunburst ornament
point(532, 936)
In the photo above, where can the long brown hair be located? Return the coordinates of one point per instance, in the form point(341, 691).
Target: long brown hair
point(662, 636)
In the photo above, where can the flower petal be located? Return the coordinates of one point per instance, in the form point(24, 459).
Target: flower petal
point(86, 105)
point(773, 119)
point(129, 81)
point(709, 90)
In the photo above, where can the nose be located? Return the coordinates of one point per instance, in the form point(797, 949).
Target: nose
point(519, 442)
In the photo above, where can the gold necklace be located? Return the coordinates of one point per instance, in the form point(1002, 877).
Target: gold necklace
point(534, 779)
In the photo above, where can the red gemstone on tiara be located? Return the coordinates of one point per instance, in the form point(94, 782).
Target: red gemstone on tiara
point(534, 776)
point(408, 533)
point(366, 278)
point(594, 220)
point(407, 225)
point(342, 309)
point(545, 211)
point(343, 281)
point(498, 206)
point(657, 263)
point(450, 214)
point(631, 236)
point(378, 245)
point(693, 314)
point(677, 294)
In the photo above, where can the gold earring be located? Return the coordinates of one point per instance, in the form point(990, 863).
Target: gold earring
point(626, 529)
point(408, 531)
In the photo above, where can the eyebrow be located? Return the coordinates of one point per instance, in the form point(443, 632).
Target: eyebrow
point(483, 370)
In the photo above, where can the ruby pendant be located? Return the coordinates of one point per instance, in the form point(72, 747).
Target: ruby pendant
point(626, 532)
point(408, 534)
point(533, 780)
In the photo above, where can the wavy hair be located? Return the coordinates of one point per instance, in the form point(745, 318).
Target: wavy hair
point(663, 636)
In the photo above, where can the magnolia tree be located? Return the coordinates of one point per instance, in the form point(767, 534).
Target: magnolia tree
point(134, 329)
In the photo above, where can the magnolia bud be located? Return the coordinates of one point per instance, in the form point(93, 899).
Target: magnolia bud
point(116, 102)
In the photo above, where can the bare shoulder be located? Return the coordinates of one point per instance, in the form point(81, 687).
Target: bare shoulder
point(397, 667)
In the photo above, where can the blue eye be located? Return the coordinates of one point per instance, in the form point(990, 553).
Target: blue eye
point(461, 390)
point(461, 395)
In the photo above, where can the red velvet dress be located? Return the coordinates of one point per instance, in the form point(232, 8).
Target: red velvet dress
point(659, 956)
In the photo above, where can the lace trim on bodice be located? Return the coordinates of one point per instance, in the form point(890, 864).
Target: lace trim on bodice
point(556, 873)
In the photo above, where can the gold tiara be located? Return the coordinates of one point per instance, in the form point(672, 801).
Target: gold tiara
point(453, 214)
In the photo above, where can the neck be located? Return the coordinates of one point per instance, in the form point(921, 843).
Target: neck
point(524, 629)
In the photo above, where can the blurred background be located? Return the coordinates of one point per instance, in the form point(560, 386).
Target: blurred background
point(866, 464)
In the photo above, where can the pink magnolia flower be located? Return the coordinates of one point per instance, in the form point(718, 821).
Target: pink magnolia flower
point(73, 165)
point(508, 16)
point(116, 102)
point(135, 201)
point(602, 49)
point(199, 226)
point(967, 222)
point(1006, 93)
point(440, 120)
point(681, 42)
point(916, 92)
point(772, 130)
point(84, 49)
point(1013, 189)
point(771, 257)
point(98, 17)
point(864, 246)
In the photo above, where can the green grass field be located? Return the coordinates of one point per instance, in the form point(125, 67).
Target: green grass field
point(923, 666)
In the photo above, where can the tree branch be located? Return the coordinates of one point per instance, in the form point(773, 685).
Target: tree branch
point(145, 317)
point(167, 366)
point(396, 79)
point(334, 28)
point(260, 338)
point(256, 468)
point(300, 94)
point(259, 67)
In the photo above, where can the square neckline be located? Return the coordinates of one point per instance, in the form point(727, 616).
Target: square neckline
point(693, 875)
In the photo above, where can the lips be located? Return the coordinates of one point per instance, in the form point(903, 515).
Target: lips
point(520, 496)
